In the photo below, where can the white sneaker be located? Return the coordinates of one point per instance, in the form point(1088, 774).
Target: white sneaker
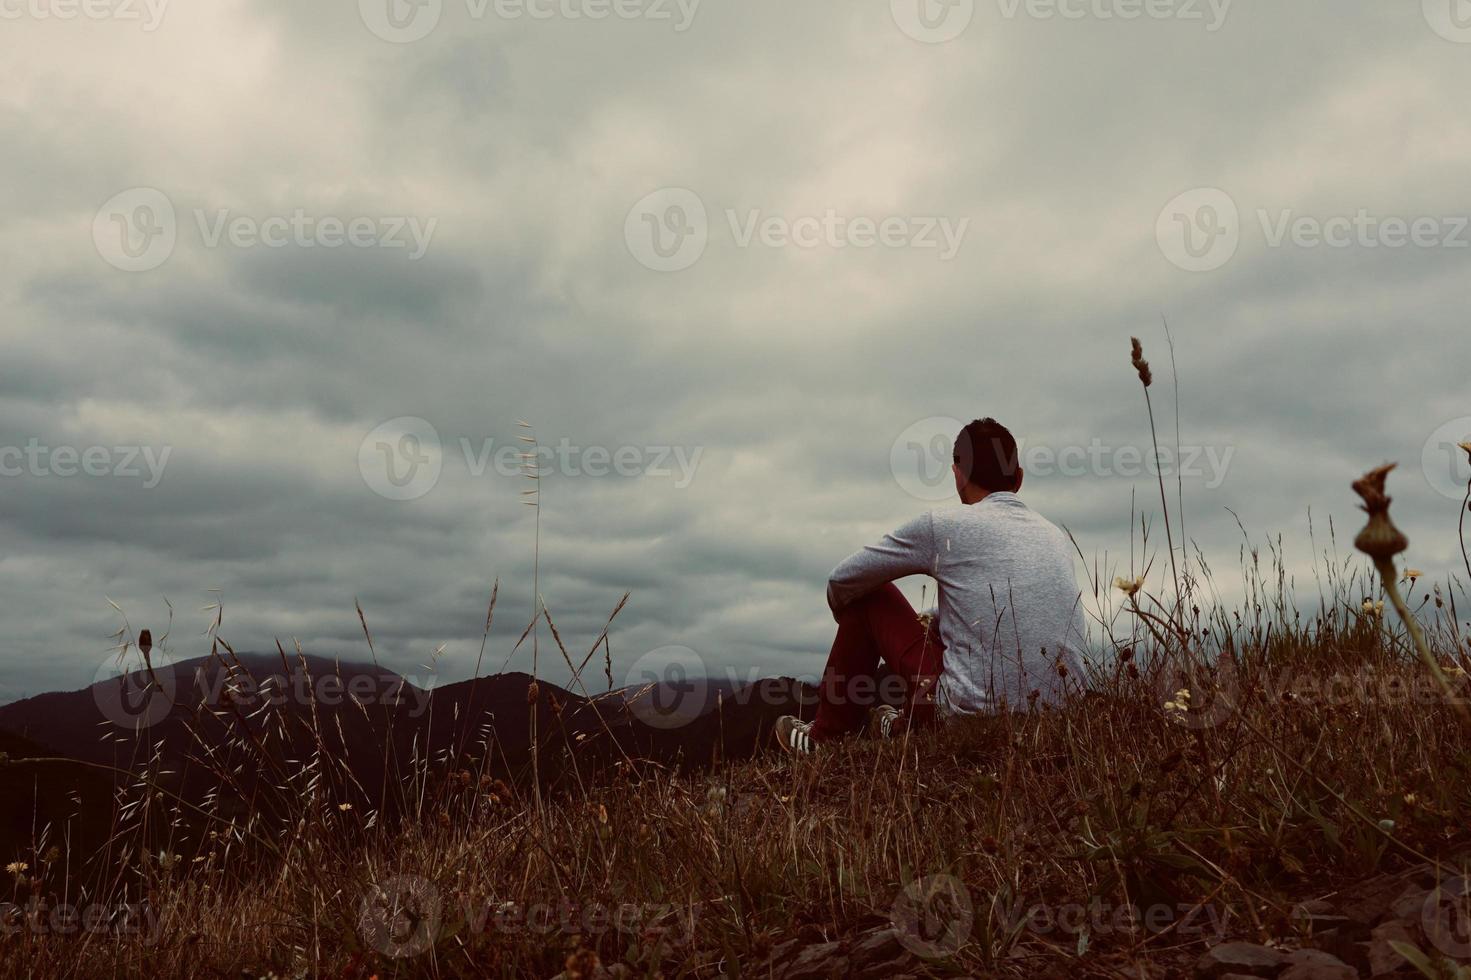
point(795, 735)
point(881, 721)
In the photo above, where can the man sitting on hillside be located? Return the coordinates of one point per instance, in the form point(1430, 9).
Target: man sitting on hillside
point(1009, 623)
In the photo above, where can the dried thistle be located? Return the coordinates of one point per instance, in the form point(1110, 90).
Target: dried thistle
point(1136, 357)
point(1379, 539)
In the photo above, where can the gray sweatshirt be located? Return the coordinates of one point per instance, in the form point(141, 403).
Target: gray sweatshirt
point(1009, 611)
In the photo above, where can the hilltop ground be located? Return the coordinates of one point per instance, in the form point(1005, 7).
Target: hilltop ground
point(1119, 836)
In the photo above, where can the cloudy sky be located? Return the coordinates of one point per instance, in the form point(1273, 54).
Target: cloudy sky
point(280, 278)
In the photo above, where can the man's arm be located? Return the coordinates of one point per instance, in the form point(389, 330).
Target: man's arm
point(908, 551)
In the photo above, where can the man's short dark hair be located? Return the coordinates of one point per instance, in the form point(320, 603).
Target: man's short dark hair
point(986, 452)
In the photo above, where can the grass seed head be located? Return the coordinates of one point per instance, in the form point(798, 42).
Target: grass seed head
point(1136, 357)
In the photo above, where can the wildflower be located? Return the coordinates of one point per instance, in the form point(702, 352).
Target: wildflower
point(1181, 703)
point(1128, 586)
point(1412, 573)
point(344, 807)
point(17, 868)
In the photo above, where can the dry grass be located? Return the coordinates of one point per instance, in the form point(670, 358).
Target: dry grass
point(1226, 764)
point(1239, 800)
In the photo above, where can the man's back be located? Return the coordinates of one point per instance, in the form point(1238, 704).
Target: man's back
point(1009, 607)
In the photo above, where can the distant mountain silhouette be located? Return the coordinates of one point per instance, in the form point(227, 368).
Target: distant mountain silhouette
point(246, 725)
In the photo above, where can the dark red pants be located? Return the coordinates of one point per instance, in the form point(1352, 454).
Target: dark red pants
point(882, 627)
